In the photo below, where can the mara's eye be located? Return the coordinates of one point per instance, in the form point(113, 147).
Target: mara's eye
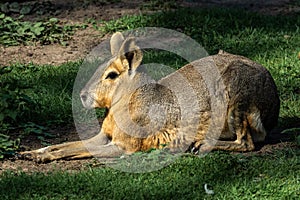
point(112, 75)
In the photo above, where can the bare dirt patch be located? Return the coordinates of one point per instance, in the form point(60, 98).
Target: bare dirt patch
point(74, 12)
point(68, 12)
point(55, 54)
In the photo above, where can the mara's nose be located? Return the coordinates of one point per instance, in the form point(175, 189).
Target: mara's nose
point(86, 100)
point(83, 96)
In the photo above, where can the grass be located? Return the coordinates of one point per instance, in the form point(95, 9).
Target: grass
point(33, 98)
point(230, 176)
point(49, 88)
point(272, 41)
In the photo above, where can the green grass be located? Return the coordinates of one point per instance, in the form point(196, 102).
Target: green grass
point(271, 41)
point(230, 176)
point(49, 88)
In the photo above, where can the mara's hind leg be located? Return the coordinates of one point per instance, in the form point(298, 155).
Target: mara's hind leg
point(247, 128)
point(243, 141)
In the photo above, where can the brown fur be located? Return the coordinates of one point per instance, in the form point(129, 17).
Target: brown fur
point(129, 95)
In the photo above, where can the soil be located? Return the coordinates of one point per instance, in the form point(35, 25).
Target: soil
point(76, 12)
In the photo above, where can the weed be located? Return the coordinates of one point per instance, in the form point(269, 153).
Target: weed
point(25, 8)
point(15, 104)
point(7, 146)
point(37, 130)
point(32, 97)
point(15, 32)
point(48, 87)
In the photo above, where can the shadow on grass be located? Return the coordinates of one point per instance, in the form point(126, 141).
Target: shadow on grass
point(230, 176)
point(233, 30)
point(281, 133)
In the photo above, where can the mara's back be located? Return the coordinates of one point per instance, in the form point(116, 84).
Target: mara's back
point(249, 91)
point(248, 85)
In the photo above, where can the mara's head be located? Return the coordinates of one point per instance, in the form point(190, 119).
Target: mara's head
point(102, 87)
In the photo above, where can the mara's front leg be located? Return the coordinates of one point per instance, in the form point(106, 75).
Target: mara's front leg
point(98, 146)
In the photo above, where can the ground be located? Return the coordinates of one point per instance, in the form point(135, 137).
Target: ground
point(74, 12)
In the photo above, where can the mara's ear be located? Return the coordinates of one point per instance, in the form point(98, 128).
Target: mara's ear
point(116, 42)
point(130, 54)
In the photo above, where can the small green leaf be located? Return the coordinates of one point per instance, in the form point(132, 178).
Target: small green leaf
point(25, 10)
point(14, 7)
point(38, 30)
point(53, 20)
point(12, 114)
point(291, 130)
point(38, 24)
point(4, 8)
point(1, 117)
point(2, 16)
point(298, 139)
point(3, 137)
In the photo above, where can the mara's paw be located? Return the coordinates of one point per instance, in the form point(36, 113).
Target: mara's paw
point(39, 155)
point(202, 147)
